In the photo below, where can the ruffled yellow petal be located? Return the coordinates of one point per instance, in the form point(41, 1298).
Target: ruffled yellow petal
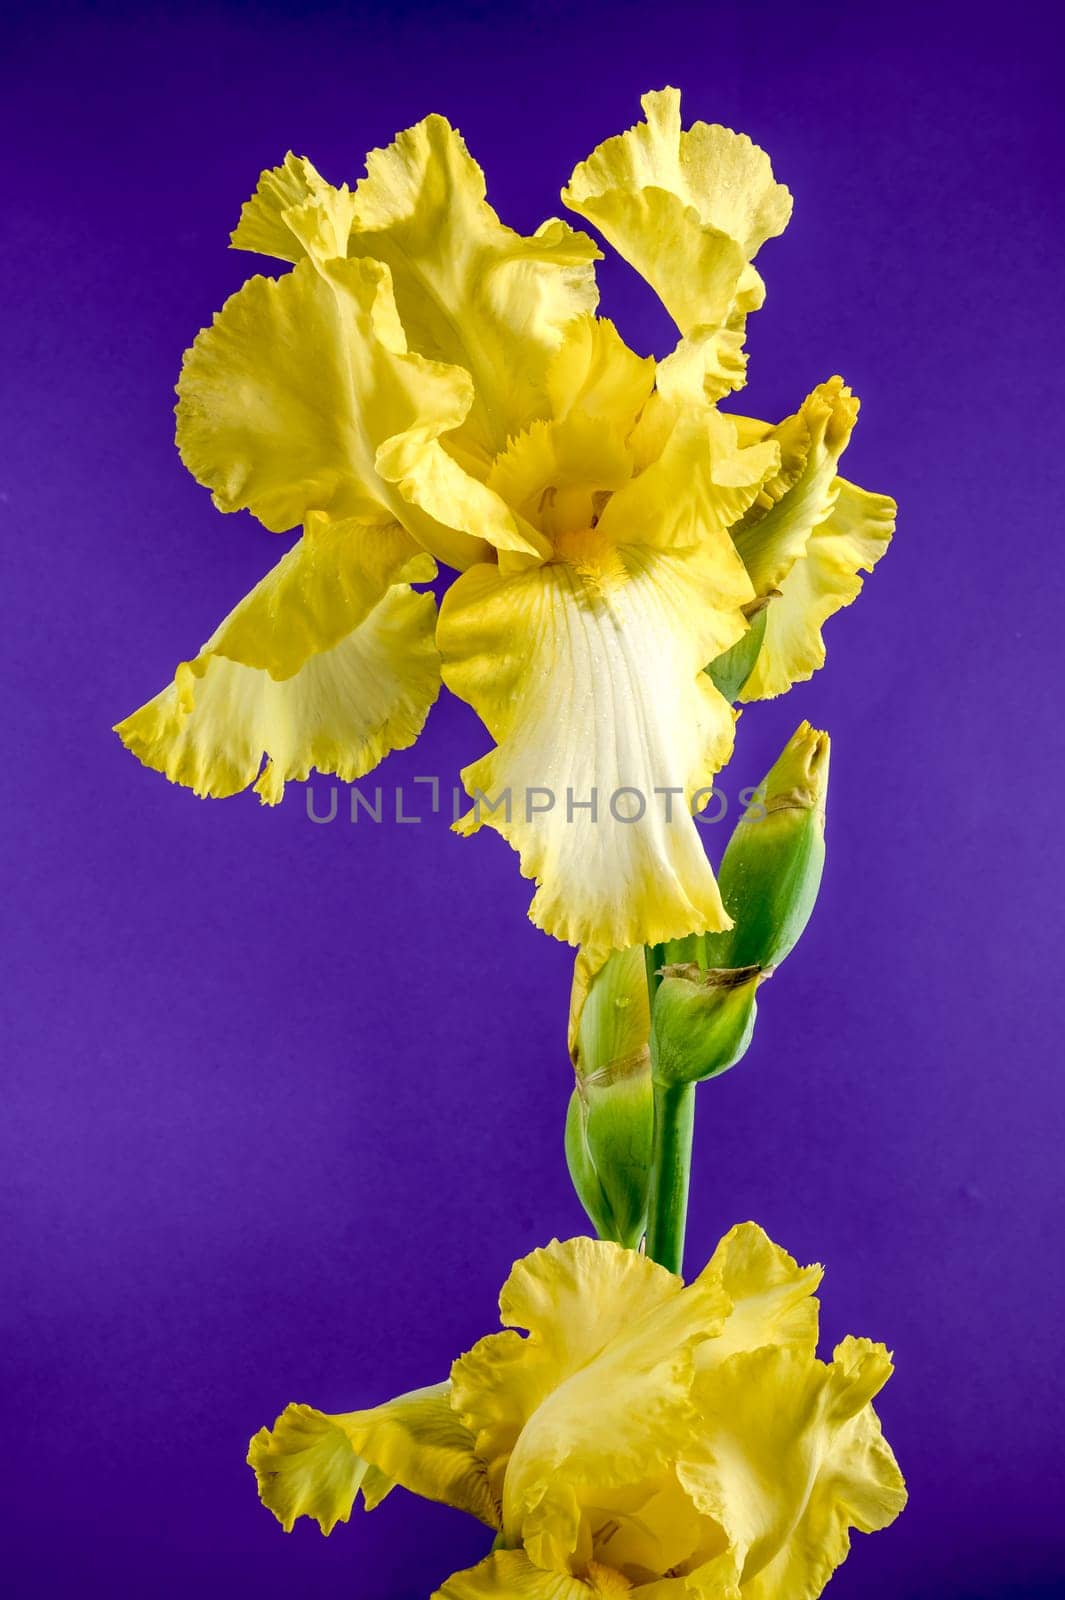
point(591, 1404)
point(438, 486)
point(711, 361)
point(469, 289)
point(295, 213)
point(771, 1297)
point(791, 1457)
point(636, 1532)
point(601, 1447)
point(587, 672)
point(306, 1467)
point(852, 538)
point(319, 591)
point(689, 210)
point(574, 1298)
point(807, 535)
point(594, 372)
point(642, 1437)
point(696, 478)
point(328, 663)
point(288, 398)
point(774, 532)
point(311, 1464)
point(864, 1473)
point(420, 1442)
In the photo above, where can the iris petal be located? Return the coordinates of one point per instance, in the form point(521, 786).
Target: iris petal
point(689, 209)
point(470, 290)
point(311, 1464)
point(329, 663)
point(807, 536)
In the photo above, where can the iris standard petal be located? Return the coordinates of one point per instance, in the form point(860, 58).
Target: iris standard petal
point(689, 210)
point(573, 1298)
point(771, 1297)
point(294, 213)
point(773, 533)
point(594, 372)
point(287, 399)
point(469, 290)
point(791, 1457)
point(591, 1403)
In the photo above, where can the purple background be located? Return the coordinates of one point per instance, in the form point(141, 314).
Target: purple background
point(282, 1101)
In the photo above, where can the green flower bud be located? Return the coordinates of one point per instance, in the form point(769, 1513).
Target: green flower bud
point(702, 1021)
point(610, 1124)
point(771, 870)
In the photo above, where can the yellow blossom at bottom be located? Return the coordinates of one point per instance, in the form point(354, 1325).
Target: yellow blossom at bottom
point(642, 1436)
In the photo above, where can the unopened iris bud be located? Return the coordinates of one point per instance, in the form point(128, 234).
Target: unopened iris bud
point(610, 1124)
point(771, 870)
point(702, 1021)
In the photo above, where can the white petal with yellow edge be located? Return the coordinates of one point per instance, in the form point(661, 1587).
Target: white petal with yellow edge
point(588, 672)
point(588, 675)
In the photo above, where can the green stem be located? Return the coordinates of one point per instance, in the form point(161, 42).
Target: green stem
point(671, 1152)
point(670, 1172)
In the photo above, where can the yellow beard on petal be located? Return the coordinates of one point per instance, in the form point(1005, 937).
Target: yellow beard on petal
point(593, 556)
point(604, 1580)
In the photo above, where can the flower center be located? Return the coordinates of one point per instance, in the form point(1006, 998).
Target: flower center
point(592, 556)
point(606, 1580)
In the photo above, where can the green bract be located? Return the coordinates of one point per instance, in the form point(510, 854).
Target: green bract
point(702, 1021)
point(611, 1112)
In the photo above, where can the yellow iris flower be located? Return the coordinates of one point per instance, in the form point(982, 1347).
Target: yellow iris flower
point(645, 1437)
point(426, 385)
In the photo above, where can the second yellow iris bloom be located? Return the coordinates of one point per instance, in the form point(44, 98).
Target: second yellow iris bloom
point(642, 1437)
